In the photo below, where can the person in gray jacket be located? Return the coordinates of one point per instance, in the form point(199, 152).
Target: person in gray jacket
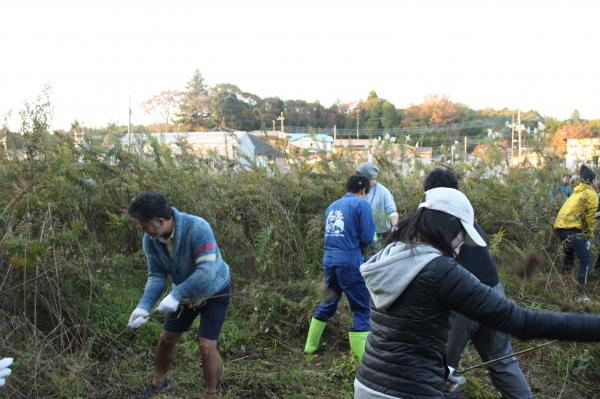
point(385, 213)
point(414, 284)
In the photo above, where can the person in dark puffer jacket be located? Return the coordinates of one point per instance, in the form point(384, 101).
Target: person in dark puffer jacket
point(414, 283)
point(506, 375)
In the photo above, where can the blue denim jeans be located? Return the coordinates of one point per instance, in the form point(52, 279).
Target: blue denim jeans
point(574, 243)
point(346, 279)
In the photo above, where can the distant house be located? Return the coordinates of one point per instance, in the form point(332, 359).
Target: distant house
point(362, 148)
point(311, 142)
point(256, 150)
point(528, 156)
point(586, 150)
point(246, 147)
point(425, 154)
point(355, 148)
point(201, 143)
point(274, 137)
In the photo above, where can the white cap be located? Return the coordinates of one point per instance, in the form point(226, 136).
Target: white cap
point(455, 203)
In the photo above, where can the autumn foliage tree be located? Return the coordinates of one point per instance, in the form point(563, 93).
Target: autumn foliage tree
point(434, 110)
point(576, 130)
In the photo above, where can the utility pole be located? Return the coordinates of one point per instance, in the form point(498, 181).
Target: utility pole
point(512, 140)
point(273, 120)
point(465, 149)
point(452, 152)
point(520, 129)
point(357, 114)
point(334, 133)
point(281, 118)
point(129, 125)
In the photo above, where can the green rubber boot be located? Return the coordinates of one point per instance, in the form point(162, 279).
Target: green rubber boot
point(358, 339)
point(314, 335)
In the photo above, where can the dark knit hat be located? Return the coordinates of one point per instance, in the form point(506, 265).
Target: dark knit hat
point(587, 175)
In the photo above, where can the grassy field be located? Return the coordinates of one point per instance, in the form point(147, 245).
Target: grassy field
point(72, 271)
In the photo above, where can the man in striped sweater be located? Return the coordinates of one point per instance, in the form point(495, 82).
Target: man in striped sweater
point(183, 247)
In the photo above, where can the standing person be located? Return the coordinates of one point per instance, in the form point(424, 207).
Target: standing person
point(183, 247)
point(348, 228)
point(506, 375)
point(574, 226)
point(414, 283)
point(564, 188)
point(381, 200)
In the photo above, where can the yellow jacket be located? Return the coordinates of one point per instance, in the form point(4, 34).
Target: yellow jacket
point(578, 210)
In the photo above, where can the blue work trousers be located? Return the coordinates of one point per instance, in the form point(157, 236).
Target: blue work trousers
point(346, 279)
point(574, 243)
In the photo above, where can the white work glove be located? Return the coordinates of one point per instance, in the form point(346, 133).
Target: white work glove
point(453, 381)
point(168, 305)
point(5, 370)
point(138, 317)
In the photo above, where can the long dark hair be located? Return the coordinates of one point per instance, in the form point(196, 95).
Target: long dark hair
point(435, 228)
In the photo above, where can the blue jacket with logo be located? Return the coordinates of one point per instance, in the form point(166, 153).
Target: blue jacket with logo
point(348, 226)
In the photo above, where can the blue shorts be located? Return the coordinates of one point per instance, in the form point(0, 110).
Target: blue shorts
point(212, 315)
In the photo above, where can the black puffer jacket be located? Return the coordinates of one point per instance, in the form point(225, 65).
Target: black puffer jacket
point(405, 349)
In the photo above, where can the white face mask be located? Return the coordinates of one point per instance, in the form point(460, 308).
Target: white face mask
point(458, 242)
point(457, 249)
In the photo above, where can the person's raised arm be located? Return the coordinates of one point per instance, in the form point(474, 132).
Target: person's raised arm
point(461, 291)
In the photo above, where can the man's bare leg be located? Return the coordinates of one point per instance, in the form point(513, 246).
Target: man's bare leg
point(165, 353)
point(211, 366)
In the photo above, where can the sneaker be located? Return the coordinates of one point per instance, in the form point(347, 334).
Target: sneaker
point(151, 390)
point(584, 299)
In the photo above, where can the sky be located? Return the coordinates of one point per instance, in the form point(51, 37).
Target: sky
point(540, 55)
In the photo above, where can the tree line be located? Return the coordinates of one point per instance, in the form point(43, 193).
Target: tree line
point(199, 108)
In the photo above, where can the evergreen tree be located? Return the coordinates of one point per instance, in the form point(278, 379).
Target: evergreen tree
point(373, 108)
point(389, 115)
point(194, 107)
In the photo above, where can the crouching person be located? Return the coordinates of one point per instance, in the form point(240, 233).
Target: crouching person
point(183, 247)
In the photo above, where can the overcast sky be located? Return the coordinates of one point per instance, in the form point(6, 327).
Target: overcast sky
point(540, 55)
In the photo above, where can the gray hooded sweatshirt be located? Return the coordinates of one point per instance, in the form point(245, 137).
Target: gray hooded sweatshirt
point(392, 269)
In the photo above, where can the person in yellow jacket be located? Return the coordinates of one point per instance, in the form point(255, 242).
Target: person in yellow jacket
point(574, 226)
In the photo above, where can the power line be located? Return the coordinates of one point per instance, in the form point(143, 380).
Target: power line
point(412, 130)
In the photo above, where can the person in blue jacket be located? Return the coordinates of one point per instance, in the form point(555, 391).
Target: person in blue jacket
point(349, 227)
point(183, 247)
